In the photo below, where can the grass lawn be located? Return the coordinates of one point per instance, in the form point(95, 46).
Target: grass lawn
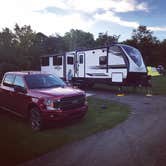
point(19, 143)
point(158, 87)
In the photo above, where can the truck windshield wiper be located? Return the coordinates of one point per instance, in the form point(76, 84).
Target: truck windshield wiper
point(55, 86)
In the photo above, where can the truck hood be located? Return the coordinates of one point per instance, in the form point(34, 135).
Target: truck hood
point(56, 92)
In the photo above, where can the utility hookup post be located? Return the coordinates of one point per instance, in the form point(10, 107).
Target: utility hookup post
point(120, 92)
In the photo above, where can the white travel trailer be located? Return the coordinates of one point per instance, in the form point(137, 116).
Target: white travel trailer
point(117, 64)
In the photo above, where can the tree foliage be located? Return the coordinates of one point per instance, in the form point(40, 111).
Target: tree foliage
point(105, 40)
point(18, 49)
point(143, 39)
point(77, 39)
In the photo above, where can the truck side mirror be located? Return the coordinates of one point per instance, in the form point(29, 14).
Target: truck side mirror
point(20, 89)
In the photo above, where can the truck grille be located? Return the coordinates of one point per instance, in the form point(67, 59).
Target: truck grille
point(73, 102)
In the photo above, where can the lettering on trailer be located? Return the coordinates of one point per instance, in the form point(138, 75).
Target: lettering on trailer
point(58, 67)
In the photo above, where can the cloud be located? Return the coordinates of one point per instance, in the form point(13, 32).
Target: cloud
point(27, 13)
point(155, 28)
point(124, 6)
point(50, 23)
point(113, 5)
point(54, 10)
point(143, 6)
point(111, 17)
point(50, 16)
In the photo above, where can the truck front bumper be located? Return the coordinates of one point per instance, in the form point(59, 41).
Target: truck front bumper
point(64, 115)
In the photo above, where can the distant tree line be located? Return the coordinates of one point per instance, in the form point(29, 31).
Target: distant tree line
point(21, 48)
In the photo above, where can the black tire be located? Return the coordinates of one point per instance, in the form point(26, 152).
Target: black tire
point(36, 119)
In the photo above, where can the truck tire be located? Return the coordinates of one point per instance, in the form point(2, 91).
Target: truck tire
point(36, 119)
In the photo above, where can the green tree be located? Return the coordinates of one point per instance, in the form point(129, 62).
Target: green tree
point(143, 39)
point(54, 44)
point(25, 38)
point(77, 39)
point(162, 53)
point(105, 40)
point(7, 50)
point(20, 49)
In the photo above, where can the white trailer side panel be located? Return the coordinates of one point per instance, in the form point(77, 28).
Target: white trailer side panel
point(117, 65)
point(53, 69)
point(93, 68)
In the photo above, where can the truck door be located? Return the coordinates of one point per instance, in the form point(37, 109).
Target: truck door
point(6, 92)
point(19, 96)
point(81, 64)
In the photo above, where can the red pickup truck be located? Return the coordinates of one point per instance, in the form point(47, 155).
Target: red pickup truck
point(41, 97)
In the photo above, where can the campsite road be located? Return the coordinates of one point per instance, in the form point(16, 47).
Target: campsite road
point(139, 141)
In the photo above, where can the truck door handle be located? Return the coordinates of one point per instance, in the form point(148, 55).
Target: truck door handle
point(11, 93)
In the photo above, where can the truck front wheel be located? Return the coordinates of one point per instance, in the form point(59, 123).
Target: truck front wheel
point(36, 119)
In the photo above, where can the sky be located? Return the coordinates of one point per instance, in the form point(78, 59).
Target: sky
point(115, 17)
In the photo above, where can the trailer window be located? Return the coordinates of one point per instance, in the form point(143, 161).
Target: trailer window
point(70, 60)
point(103, 60)
point(45, 61)
point(57, 60)
point(134, 54)
point(116, 51)
point(81, 59)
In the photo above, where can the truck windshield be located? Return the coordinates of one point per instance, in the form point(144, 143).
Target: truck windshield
point(40, 81)
point(134, 54)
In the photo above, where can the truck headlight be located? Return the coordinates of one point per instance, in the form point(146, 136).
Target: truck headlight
point(49, 104)
point(52, 104)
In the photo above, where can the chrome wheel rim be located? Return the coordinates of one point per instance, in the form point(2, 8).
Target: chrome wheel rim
point(35, 120)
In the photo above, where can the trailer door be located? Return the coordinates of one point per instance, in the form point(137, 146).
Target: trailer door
point(69, 65)
point(81, 64)
point(57, 67)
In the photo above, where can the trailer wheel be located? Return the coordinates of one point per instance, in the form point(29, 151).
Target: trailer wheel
point(36, 119)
